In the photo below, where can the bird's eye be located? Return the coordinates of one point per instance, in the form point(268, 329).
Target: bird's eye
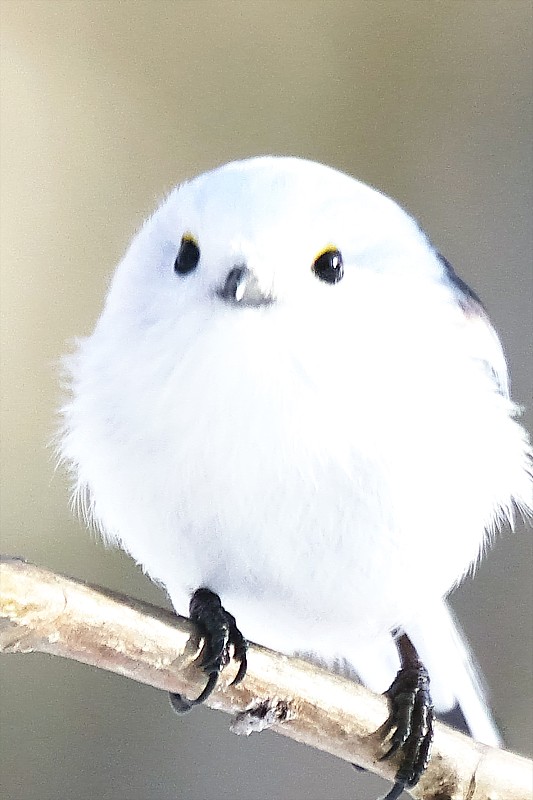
point(328, 265)
point(188, 255)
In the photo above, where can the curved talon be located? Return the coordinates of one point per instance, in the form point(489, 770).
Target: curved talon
point(182, 704)
point(220, 633)
point(240, 647)
point(395, 792)
point(243, 666)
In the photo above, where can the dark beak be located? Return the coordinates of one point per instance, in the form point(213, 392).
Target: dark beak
point(241, 288)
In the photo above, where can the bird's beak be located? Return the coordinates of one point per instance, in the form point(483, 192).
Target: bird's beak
point(242, 288)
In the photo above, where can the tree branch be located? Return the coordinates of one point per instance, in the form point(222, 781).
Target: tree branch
point(44, 612)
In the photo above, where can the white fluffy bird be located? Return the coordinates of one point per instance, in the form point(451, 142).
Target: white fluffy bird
point(292, 401)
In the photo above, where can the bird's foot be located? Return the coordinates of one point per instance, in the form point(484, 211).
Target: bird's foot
point(220, 633)
point(411, 723)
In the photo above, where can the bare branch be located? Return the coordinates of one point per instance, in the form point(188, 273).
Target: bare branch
point(44, 612)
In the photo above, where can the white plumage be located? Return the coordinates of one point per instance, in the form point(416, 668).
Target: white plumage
point(331, 462)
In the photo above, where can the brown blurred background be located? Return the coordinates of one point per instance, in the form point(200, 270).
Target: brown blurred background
point(105, 106)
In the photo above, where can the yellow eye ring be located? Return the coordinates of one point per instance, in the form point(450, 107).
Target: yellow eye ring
point(327, 249)
point(188, 237)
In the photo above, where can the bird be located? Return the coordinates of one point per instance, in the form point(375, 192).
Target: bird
point(295, 416)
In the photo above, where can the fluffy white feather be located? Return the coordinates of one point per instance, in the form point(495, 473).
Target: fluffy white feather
point(327, 463)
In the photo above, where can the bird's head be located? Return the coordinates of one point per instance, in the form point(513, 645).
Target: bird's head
point(264, 233)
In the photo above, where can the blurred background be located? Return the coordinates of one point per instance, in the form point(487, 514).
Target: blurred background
point(107, 105)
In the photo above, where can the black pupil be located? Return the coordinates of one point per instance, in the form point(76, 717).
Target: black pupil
point(329, 267)
point(188, 257)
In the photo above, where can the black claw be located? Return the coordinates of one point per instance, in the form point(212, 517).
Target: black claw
point(411, 718)
point(243, 666)
point(220, 633)
point(395, 792)
point(179, 703)
point(240, 647)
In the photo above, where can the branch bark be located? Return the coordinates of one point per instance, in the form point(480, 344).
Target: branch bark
point(41, 611)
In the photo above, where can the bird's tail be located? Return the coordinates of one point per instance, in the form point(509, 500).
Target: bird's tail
point(457, 686)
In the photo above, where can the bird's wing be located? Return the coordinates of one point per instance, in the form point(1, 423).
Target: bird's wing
point(480, 337)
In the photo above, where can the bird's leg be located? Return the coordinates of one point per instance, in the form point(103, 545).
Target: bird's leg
point(220, 633)
point(411, 718)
